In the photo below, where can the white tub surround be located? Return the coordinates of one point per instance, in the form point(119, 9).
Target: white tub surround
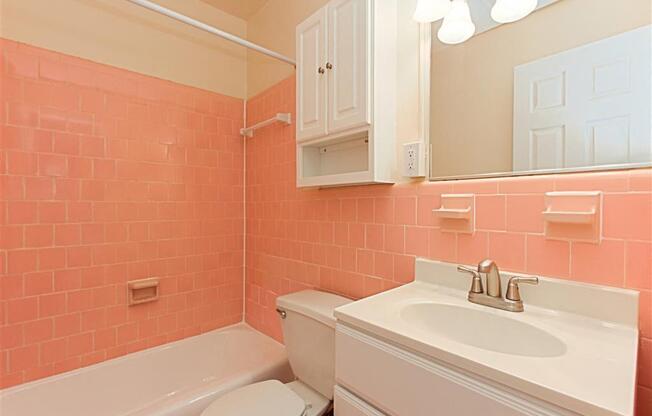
point(176, 379)
point(573, 350)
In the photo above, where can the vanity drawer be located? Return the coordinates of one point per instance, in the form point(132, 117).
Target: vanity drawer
point(347, 404)
point(401, 383)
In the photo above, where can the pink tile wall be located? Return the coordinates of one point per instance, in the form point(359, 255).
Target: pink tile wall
point(108, 176)
point(362, 240)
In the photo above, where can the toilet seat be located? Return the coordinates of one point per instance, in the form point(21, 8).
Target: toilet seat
point(267, 398)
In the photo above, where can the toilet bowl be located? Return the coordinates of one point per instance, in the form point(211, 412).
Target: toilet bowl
point(309, 333)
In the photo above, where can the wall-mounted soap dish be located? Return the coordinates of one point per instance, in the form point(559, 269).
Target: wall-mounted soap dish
point(573, 216)
point(570, 217)
point(457, 213)
point(142, 291)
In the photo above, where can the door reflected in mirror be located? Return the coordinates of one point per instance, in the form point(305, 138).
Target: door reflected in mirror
point(568, 88)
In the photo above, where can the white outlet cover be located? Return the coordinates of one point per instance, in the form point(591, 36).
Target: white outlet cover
point(413, 160)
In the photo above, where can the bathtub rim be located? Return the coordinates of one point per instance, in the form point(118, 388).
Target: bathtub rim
point(128, 356)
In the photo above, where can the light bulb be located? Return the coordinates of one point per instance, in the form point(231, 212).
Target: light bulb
point(428, 11)
point(507, 11)
point(458, 26)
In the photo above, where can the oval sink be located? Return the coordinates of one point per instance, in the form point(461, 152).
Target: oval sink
point(483, 329)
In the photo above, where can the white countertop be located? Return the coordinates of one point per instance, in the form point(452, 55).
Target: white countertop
point(596, 375)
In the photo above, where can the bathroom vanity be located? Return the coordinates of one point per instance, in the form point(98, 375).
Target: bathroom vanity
point(424, 349)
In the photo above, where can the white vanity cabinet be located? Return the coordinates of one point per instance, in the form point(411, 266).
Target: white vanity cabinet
point(346, 93)
point(376, 378)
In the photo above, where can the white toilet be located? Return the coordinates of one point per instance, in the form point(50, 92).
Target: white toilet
point(309, 333)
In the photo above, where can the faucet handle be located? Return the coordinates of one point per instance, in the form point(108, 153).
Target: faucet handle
point(476, 285)
point(513, 293)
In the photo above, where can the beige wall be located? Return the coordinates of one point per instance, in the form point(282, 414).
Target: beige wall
point(118, 33)
point(472, 83)
point(273, 27)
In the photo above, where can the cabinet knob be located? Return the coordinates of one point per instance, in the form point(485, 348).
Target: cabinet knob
point(329, 65)
point(321, 70)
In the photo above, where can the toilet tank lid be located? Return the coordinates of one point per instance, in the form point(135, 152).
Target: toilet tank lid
point(314, 304)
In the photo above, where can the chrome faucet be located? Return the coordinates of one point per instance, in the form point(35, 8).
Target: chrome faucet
point(489, 268)
point(494, 298)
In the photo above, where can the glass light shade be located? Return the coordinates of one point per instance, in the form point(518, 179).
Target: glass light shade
point(458, 26)
point(507, 11)
point(431, 10)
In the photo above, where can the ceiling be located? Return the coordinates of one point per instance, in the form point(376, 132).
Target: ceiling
point(243, 9)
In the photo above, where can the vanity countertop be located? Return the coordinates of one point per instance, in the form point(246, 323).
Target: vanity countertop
point(592, 370)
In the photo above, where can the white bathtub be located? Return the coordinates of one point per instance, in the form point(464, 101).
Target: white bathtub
point(177, 379)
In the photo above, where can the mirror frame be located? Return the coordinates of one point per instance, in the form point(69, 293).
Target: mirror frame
point(425, 51)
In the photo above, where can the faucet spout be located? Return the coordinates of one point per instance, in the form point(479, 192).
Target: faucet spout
point(490, 269)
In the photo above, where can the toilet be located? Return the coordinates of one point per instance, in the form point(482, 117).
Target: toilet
point(309, 334)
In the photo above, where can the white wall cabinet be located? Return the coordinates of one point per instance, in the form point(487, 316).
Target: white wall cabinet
point(346, 93)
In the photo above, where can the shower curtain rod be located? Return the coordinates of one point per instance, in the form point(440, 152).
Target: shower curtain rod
point(210, 29)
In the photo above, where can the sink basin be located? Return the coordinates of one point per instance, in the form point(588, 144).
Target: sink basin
point(484, 330)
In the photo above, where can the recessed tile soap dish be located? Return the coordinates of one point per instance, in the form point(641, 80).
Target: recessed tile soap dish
point(573, 216)
point(457, 213)
point(142, 291)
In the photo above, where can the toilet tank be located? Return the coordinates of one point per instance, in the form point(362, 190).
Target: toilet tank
point(309, 335)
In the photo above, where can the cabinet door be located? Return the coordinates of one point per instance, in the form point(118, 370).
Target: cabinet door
point(348, 65)
point(347, 404)
point(378, 373)
point(311, 78)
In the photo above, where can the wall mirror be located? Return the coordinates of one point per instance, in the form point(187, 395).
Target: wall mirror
point(567, 88)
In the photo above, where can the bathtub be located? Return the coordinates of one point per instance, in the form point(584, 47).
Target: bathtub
point(176, 379)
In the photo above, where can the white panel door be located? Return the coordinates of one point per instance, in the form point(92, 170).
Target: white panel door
point(586, 106)
point(348, 64)
point(311, 39)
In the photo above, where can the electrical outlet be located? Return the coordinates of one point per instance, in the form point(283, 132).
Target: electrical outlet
point(413, 163)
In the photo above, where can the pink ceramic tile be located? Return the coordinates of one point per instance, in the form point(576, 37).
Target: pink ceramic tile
point(526, 185)
point(404, 268)
point(442, 246)
point(524, 213)
point(425, 205)
point(638, 265)
point(490, 212)
point(643, 401)
point(547, 257)
point(508, 250)
point(406, 210)
point(472, 248)
point(395, 238)
point(602, 263)
point(599, 181)
point(416, 241)
point(476, 186)
point(645, 313)
point(375, 236)
point(384, 265)
point(365, 210)
point(645, 363)
point(628, 216)
point(384, 210)
point(75, 168)
point(365, 261)
point(640, 180)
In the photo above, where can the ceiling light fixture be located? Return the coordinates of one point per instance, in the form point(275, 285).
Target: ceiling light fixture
point(458, 26)
point(507, 11)
point(429, 11)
